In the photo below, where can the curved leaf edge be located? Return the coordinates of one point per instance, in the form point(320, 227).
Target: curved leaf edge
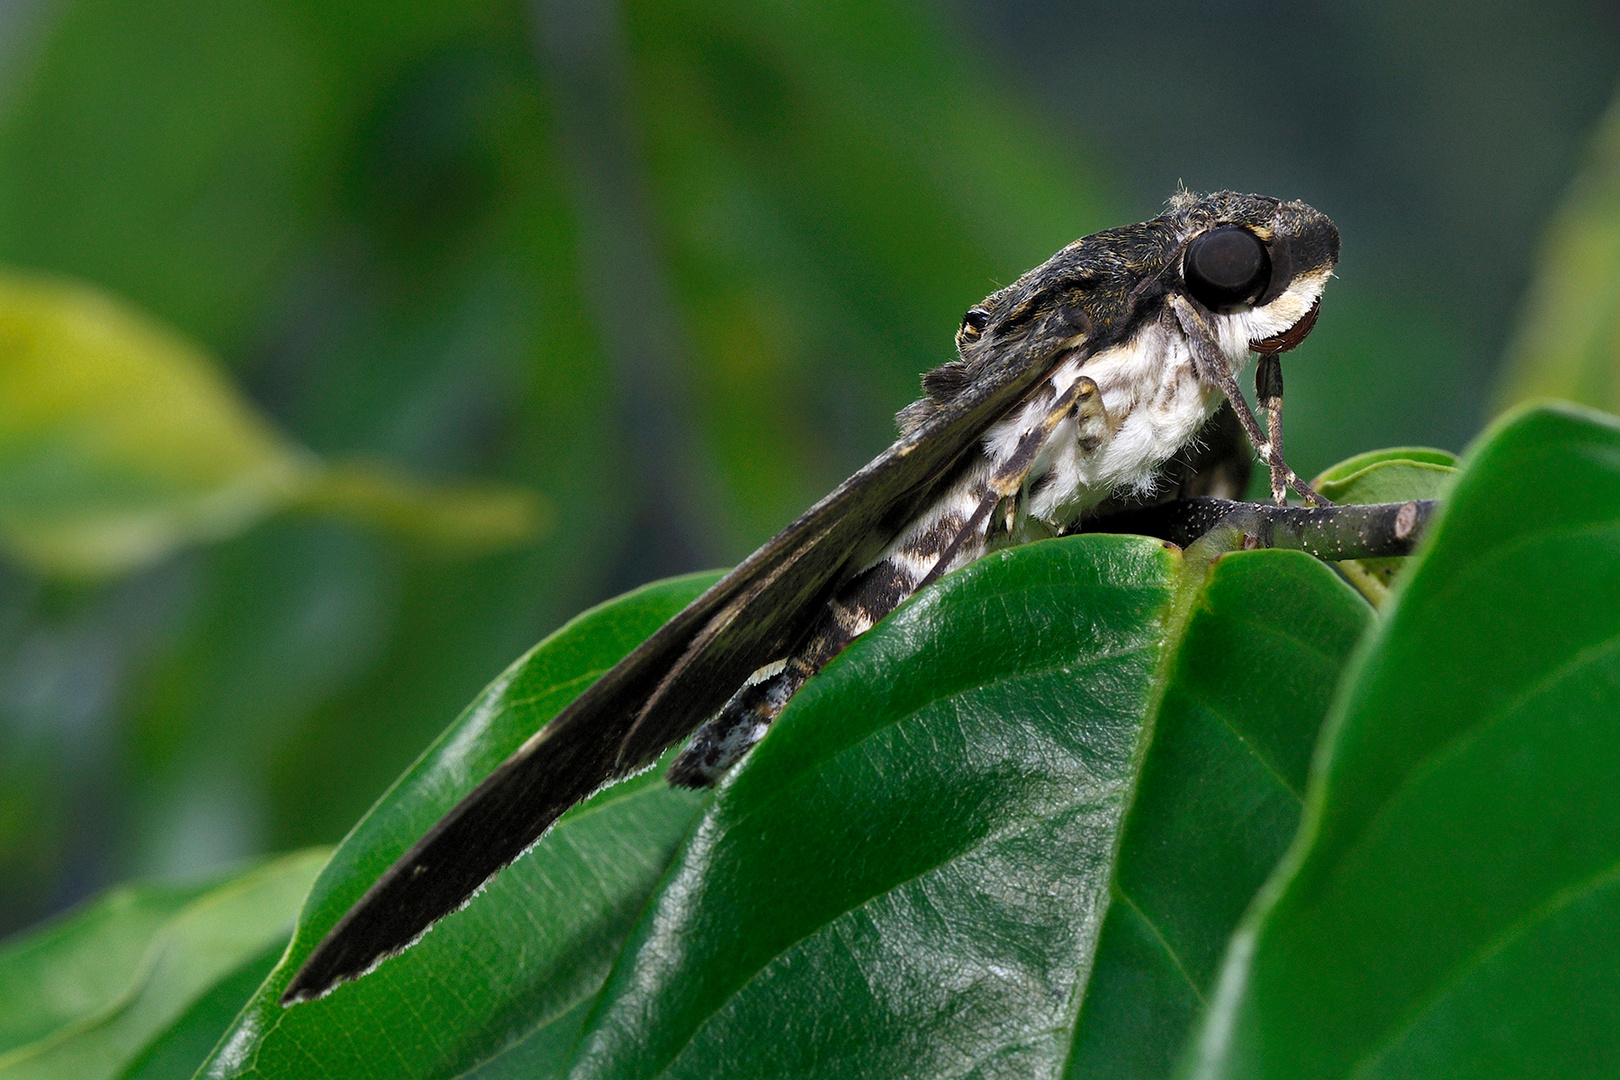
point(1207, 1045)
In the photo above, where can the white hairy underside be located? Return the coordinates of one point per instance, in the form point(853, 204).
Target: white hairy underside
point(1155, 404)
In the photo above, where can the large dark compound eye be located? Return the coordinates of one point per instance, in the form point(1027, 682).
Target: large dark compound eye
point(974, 322)
point(1227, 268)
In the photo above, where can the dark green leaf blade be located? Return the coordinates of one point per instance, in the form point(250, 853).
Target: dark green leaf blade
point(1395, 475)
point(1218, 799)
point(527, 949)
point(908, 877)
point(1393, 480)
point(1450, 909)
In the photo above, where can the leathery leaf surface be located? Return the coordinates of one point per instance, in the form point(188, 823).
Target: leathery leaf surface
point(1218, 800)
point(963, 850)
point(922, 874)
point(1452, 906)
point(521, 957)
point(909, 878)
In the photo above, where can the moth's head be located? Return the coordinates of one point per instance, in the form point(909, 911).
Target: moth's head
point(1253, 267)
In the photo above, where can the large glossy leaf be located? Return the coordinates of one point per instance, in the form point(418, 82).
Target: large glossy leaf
point(1218, 800)
point(924, 856)
point(908, 882)
point(1452, 907)
point(109, 1015)
point(120, 441)
point(528, 949)
point(908, 878)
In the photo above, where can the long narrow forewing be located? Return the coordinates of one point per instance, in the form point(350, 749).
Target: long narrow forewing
point(661, 691)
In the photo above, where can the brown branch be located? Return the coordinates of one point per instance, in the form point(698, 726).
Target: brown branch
point(1332, 533)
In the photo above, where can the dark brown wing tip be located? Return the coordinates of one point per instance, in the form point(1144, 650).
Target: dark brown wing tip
point(330, 966)
point(312, 982)
point(300, 990)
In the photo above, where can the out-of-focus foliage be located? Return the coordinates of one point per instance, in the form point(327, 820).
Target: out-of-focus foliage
point(357, 207)
point(120, 442)
point(95, 993)
point(1568, 341)
point(366, 212)
point(834, 187)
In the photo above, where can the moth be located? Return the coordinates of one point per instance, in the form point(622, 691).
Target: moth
point(1092, 380)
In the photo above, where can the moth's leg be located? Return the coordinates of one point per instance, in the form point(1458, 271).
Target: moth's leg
point(1082, 400)
point(741, 722)
point(722, 741)
point(1212, 366)
point(1093, 426)
point(1268, 391)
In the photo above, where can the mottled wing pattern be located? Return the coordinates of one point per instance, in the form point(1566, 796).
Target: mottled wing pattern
point(670, 683)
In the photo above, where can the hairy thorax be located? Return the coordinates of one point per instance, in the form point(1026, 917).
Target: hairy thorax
point(1153, 401)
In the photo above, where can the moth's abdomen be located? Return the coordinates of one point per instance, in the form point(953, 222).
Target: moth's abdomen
point(902, 568)
point(987, 506)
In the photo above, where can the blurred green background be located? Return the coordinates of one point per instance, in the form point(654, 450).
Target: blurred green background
point(669, 265)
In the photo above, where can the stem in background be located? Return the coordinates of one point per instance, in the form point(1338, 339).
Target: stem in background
point(1331, 533)
point(580, 51)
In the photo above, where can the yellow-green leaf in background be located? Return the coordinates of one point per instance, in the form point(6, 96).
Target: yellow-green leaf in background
point(120, 441)
point(1567, 344)
point(1393, 475)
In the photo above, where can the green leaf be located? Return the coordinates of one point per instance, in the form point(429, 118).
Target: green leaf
point(1351, 465)
point(1395, 475)
point(1218, 800)
point(929, 841)
point(120, 441)
point(78, 965)
point(175, 1053)
point(1567, 344)
point(566, 905)
point(1390, 481)
point(909, 876)
point(114, 1014)
point(1452, 906)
